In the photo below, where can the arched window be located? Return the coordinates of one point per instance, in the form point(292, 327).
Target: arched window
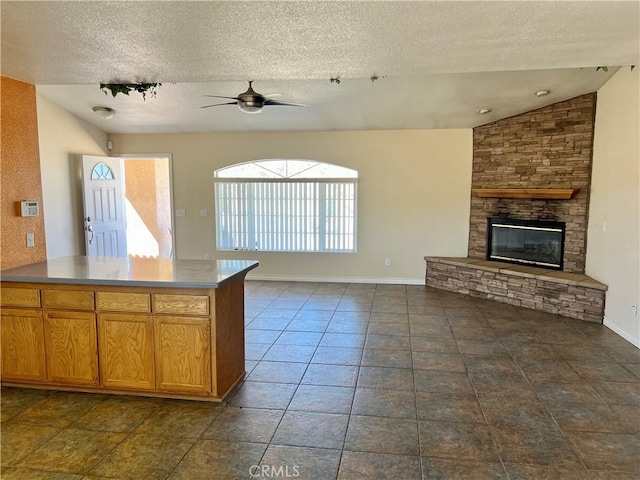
point(101, 172)
point(286, 206)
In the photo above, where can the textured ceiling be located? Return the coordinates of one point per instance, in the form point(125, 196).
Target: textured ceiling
point(438, 61)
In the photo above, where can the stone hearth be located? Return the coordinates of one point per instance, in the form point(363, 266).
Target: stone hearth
point(572, 295)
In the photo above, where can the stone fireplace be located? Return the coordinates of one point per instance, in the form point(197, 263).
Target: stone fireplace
point(532, 170)
point(548, 148)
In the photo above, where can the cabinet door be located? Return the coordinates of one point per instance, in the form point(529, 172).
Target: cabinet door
point(183, 354)
point(72, 347)
point(126, 351)
point(22, 345)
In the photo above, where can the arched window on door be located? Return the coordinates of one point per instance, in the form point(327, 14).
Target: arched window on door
point(101, 172)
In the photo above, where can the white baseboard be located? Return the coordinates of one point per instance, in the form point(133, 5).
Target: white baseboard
point(302, 278)
point(629, 337)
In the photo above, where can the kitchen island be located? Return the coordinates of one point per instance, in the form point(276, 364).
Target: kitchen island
point(137, 326)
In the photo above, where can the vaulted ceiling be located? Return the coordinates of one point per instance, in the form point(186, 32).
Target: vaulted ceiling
point(437, 63)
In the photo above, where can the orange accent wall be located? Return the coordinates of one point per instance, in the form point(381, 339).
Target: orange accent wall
point(20, 174)
point(147, 188)
point(140, 181)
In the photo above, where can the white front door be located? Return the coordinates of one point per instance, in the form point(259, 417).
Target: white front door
point(105, 223)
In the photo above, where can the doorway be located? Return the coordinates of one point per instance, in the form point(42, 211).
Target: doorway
point(128, 206)
point(148, 206)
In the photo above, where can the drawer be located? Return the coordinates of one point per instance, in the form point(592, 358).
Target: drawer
point(181, 304)
point(71, 299)
point(123, 302)
point(19, 297)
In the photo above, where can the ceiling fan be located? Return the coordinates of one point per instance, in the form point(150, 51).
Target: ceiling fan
point(252, 101)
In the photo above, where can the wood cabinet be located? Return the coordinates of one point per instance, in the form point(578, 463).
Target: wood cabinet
point(170, 342)
point(183, 354)
point(127, 351)
point(22, 345)
point(71, 346)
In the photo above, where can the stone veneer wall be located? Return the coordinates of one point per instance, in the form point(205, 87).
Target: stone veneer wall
point(546, 148)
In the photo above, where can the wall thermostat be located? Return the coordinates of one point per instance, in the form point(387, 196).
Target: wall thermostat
point(29, 208)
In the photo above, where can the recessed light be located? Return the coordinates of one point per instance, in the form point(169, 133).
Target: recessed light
point(542, 93)
point(484, 111)
point(104, 113)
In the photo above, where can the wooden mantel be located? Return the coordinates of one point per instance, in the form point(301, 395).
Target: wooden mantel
point(534, 193)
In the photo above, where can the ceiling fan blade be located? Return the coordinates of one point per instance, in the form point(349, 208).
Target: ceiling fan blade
point(220, 104)
point(220, 96)
point(271, 95)
point(284, 104)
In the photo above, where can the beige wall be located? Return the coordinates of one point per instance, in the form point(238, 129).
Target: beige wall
point(20, 168)
point(413, 195)
point(63, 140)
point(613, 250)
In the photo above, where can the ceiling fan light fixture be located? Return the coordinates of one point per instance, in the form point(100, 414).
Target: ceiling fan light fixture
point(252, 109)
point(104, 113)
point(251, 101)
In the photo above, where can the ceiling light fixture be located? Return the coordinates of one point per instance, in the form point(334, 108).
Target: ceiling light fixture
point(104, 113)
point(484, 111)
point(252, 101)
point(250, 107)
point(542, 93)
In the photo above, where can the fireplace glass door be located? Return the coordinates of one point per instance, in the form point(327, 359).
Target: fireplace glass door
point(528, 242)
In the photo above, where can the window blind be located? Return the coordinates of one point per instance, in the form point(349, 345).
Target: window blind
point(286, 215)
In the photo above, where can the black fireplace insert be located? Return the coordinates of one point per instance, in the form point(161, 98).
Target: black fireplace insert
point(528, 242)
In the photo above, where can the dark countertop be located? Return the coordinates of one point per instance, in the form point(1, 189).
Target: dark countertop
point(135, 272)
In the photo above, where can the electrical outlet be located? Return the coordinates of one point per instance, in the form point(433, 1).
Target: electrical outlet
point(387, 262)
point(30, 240)
point(203, 213)
point(181, 212)
point(207, 256)
point(634, 309)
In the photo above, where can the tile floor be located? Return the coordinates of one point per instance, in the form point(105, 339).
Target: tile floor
point(362, 381)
